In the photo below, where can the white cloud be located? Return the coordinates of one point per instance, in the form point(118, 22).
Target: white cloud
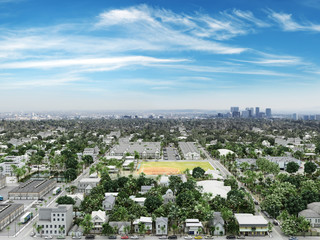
point(288, 24)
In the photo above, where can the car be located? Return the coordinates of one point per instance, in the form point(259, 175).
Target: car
point(76, 237)
point(90, 237)
point(112, 237)
point(48, 237)
point(40, 199)
point(188, 237)
point(163, 237)
point(173, 237)
point(208, 237)
point(231, 237)
point(124, 237)
point(32, 234)
point(275, 222)
point(293, 238)
point(198, 237)
point(241, 237)
point(267, 214)
point(61, 237)
point(134, 237)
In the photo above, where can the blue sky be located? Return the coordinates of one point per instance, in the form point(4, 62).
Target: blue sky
point(159, 54)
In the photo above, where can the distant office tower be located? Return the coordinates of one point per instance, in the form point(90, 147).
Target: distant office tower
point(234, 109)
point(257, 112)
point(268, 112)
point(317, 117)
point(236, 114)
point(252, 111)
point(294, 116)
point(245, 114)
point(306, 117)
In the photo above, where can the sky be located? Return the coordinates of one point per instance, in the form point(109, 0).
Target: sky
point(159, 54)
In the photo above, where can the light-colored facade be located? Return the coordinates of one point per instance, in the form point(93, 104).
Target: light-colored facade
point(192, 226)
point(251, 225)
point(169, 197)
point(8, 213)
point(78, 198)
point(32, 189)
point(189, 150)
point(312, 214)
point(55, 221)
point(7, 167)
point(217, 223)
point(146, 150)
point(147, 221)
point(109, 202)
point(2, 181)
point(85, 185)
point(98, 219)
point(161, 226)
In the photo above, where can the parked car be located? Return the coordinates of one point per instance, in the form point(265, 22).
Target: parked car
point(76, 237)
point(208, 237)
point(293, 238)
point(188, 237)
point(163, 237)
point(134, 237)
point(124, 237)
point(112, 237)
point(198, 237)
point(275, 222)
point(32, 234)
point(173, 237)
point(231, 237)
point(61, 237)
point(48, 237)
point(267, 214)
point(90, 237)
point(241, 237)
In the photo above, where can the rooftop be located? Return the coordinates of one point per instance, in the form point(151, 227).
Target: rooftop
point(33, 186)
point(250, 219)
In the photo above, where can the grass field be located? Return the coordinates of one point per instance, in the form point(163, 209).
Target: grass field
point(171, 168)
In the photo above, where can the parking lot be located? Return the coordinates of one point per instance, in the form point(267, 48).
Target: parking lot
point(170, 153)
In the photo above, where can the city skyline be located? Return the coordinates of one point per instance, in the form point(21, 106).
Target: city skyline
point(145, 55)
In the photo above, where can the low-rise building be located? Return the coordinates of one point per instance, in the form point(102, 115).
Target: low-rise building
point(147, 221)
point(161, 226)
point(217, 223)
point(55, 221)
point(7, 167)
point(283, 161)
point(122, 227)
point(85, 185)
point(251, 225)
point(76, 231)
point(312, 214)
point(169, 197)
point(8, 213)
point(98, 219)
point(192, 226)
point(145, 189)
point(77, 197)
point(32, 189)
point(189, 150)
point(164, 181)
point(139, 200)
point(109, 202)
point(146, 150)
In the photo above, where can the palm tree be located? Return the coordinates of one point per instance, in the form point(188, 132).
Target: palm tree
point(39, 229)
point(61, 229)
point(8, 228)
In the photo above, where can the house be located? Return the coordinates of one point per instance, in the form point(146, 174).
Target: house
point(122, 227)
point(164, 181)
point(145, 189)
point(283, 161)
point(86, 184)
point(76, 231)
point(312, 214)
point(78, 198)
point(147, 221)
point(55, 221)
point(217, 224)
point(140, 200)
point(251, 225)
point(168, 197)
point(98, 219)
point(109, 202)
point(192, 226)
point(161, 226)
point(215, 187)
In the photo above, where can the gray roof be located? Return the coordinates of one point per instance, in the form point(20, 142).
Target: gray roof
point(217, 218)
point(188, 147)
point(33, 186)
point(162, 219)
point(315, 206)
point(6, 209)
point(309, 213)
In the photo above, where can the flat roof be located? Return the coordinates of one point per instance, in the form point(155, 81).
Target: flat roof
point(6, 209)
point(247, 219)
point(33, 186)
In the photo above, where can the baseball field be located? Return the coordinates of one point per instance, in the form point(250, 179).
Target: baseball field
point(170, 168)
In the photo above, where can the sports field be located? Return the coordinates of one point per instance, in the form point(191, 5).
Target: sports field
point(171, 168)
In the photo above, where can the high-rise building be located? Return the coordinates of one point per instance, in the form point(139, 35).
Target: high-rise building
point(257, 112)
point(268, 112)
point(234, 109)
point(295, 116)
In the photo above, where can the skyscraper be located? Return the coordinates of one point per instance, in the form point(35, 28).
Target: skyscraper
point(268, 112)
point(257, 112)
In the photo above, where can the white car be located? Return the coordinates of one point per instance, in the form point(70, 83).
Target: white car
point(134, 237)
point(188, 237)
point(48, 237)
point(163, 237)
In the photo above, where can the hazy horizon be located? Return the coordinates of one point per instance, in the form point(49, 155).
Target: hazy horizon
point(81, 55)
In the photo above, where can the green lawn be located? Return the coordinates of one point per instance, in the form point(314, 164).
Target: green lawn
point(183, 165)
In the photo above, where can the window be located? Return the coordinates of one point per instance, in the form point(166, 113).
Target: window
point(58, 215)
point(54, 215)
point(54, 219)
point(62, 219)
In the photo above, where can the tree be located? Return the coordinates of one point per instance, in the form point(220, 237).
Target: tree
point(310, 167)
point(152, 203)
point(70, 174)
point(87, 159)
point(66, 200)
point(107, 229)
point(292, 167)
point(198, 172)
point(87, 224)
point(39, 229)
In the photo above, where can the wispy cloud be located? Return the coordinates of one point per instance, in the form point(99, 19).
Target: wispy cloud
point(287, 23)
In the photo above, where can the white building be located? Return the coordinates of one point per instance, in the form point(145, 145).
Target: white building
point(98, 219)
point(189, 150)
point(55, 221)
point(147, 221)
point(312, 214)
point(192, 226)
point(78, 198)
point(85, 185)
point(161, 226)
